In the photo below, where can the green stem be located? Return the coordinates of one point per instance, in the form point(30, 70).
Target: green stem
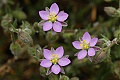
point(12, 37)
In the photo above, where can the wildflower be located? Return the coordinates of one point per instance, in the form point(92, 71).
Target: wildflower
point(53, 18)
point(54, 60)
point(86, 45)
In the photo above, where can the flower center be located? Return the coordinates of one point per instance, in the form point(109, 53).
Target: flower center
point(84, 45)
point(54, 58)
point(52, 17)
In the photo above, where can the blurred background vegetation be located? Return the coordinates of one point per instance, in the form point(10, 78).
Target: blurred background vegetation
point(84, 15)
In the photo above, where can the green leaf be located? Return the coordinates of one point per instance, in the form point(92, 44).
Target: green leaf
point(42, 71)
point(53, 77)
point(31, 51)
point(64, 78)
point(15, 49)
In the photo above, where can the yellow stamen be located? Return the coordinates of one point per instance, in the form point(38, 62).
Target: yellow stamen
point(84, 45)
point(52, 17)
point(54, 58)
point(84, 41)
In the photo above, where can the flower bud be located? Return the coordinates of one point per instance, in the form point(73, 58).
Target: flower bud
point(116, 33)
point(111, 11)
point(7, 20)
point(26, 27)
point(15, 49)
point(25, 38)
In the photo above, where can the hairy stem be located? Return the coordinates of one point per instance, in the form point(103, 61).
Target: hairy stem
point(114, 41)
point(12, 37)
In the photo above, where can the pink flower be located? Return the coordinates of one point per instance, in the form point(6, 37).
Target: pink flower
point(53, 18)
point(86, 45)
point(54, 60)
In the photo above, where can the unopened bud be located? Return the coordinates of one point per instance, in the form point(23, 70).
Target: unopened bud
point(7, 20)
point(116, 33)
point(25, 38)
point(111, 11)
point(26, 27)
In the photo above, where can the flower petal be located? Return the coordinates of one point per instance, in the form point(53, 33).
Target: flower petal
point(44, 14)
point(62, 16)
point(54, 8)
point(47, 26)
point(64, 61)
point(45, 63)
point(56, 69)
point(47, 54)
point(59, 51)
point(76, 44)
point(91, 52)
point(93, 42)
point(86, 37)
point(82, 54)
point(57, 26)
